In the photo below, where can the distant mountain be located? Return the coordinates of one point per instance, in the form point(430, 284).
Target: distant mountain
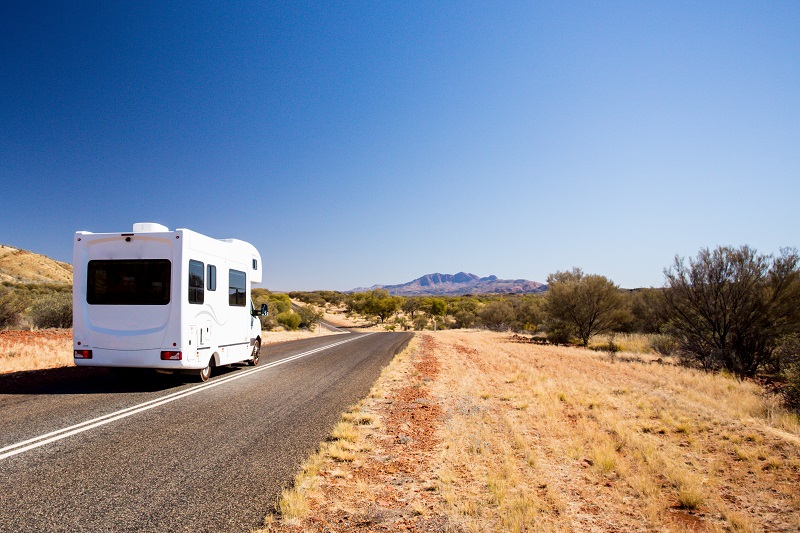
point(22, 266)
point(458, 284)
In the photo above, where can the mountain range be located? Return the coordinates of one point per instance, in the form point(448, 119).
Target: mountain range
point(459, 284)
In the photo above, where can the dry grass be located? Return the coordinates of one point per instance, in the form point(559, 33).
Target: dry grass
point(35, 350)
point(543, 438)
point(24, 266)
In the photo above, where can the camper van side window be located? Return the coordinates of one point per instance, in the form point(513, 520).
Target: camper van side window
point(237, 282)
point(196, 269)
point(211, 281)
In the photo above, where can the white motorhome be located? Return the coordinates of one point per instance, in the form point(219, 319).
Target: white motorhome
point(167, 300)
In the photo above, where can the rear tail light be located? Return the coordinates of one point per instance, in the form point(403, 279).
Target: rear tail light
point(171, 356)
point(83, 354)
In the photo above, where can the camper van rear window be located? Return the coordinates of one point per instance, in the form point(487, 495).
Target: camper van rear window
point(128, 282)
point(237, 281)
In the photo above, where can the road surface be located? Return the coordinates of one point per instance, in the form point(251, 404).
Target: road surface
point(82, 449)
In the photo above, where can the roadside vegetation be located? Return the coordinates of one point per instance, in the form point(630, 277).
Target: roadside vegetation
point(35, 305)
point(727, 310)
point(472, 430)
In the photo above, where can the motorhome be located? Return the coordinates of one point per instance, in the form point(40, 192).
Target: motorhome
point(174, 301)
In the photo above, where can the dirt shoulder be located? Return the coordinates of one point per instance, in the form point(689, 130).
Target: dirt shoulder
point(473, 431)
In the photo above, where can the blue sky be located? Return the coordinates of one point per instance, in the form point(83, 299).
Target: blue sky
point(371, 143)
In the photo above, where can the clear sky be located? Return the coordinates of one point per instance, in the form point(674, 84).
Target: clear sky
point(374, 142)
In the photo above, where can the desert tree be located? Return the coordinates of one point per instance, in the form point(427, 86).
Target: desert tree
point(729, 307)
point(527, 312)
point(411, 306)
point(381, 304)
point(434, 307)
point(498, 315)
point(582, 304)
point(464, 311)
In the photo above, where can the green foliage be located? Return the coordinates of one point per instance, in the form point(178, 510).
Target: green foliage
point(277, 304)
point(791, 392)
point(560, 334)
point(664, 344)
point(434, 307)
point(498, 315)
point(11, 307)
point(411, 306)
point(380, 304)
point(583, 304)
point(310, 298)
point(420, 323)
point(52, 311)
point(648, 313)
point(309, 317)
point(730, 307)
point(289, 320)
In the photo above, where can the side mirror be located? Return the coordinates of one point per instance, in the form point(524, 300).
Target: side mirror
point(264, 310)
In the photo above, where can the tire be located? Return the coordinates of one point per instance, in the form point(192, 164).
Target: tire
point(256, 351)
point(205, 373)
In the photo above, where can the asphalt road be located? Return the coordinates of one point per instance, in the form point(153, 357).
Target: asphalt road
point(197, 457)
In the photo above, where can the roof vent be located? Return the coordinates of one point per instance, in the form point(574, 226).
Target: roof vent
point(149, 227)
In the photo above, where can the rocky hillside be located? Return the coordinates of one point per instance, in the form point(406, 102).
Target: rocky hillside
point(22, 266)
point(458, 284)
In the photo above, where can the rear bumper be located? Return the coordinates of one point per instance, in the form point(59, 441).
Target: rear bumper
point(140, 359)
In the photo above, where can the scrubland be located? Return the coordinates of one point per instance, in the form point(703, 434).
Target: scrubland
point(474, 431)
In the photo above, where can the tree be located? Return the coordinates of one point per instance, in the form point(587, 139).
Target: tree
point(729, 307)
point(497, 315)
point(527, 313)
point(585, 304)
point(379, 303)
point(435, 307)
point(309, 316)
point(465, 312)
point(411, 306)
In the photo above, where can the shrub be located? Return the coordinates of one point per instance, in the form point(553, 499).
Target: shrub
point(289, 320)
point(730, 306)
point(497, 315)
point(559, 335)
point(791, 392)
point(309, 317)
point(420, 322)
point(664, 344)
point(52, 311)
point(10, 308)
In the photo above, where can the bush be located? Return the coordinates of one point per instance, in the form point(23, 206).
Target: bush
point(289, 320)
point(10, 308)
point(497, 315)
point(730, 306)
point(559, 335)
point(664, 344)
point(420, 323)
point(791, 392)
point(52, 311)
point(309, 317)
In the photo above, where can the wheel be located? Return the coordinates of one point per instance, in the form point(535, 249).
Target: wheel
point(206, 372)
point(256, 350)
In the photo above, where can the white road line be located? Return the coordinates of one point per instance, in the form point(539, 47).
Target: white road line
point(60, 434)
